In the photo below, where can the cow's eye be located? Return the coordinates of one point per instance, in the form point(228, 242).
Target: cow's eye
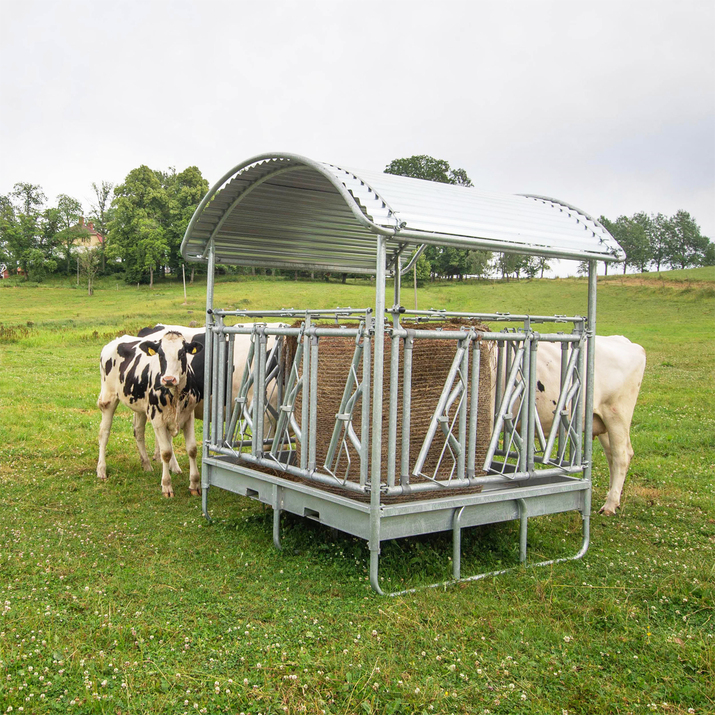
point(151, 351)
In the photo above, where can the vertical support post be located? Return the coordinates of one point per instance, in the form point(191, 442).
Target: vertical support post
point(277, 508)
point(406, 408)
point(523, 525)
point(588, 417)
point(376, 456)
point(397, 281)
point(305, 427)
point(365, 423)
point(392, 420)
point(562, 430)
point(259, 392)
point(532, 416)
point(219, 396)
point(474, 408)
point(457, 543)
point(313, 414)
point(205, 472)
point(229, 385)
point(526, 403)
point(462, 456)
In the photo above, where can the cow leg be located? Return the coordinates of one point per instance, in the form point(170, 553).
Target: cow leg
point(139, 426)
point(164, 439)
point(173, 465)
point(192, 450)
point(619, 452)
point(108, 407)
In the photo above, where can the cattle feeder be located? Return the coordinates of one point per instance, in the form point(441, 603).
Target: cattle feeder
point(380, 421)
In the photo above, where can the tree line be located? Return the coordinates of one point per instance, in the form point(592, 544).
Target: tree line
point(142, 223)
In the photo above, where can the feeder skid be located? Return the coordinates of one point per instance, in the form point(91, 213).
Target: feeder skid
point(381, 422)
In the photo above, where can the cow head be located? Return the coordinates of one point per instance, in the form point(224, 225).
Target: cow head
point(171, 350)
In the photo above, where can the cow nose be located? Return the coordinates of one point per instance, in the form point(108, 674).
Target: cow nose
point(169, 380)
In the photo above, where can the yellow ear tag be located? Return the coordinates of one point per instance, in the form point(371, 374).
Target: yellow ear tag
point(193, 351)
point(151, 351)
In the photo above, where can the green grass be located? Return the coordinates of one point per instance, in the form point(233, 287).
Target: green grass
point(115, 600)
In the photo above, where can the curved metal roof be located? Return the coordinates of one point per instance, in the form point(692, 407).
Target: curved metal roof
point(287, 211)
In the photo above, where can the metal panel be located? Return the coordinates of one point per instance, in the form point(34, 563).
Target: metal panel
point(288, 211)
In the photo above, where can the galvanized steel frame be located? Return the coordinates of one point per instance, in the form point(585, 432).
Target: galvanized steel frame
point(530, 480)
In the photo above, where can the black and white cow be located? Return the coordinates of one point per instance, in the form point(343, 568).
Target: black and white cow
point(242, 344)
point(154, 377)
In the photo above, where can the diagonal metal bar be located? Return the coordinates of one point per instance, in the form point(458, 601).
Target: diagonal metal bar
point(439, 411)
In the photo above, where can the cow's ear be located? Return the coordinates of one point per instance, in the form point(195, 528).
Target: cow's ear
point(149, 348)
point(194, 348)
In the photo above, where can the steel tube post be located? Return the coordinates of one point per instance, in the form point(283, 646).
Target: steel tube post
point(219, 397)
point(564, 367)
point(523, 525)
point(474, 408)
point(376, 456)
point(392, 421)
point(579, 400)
point(205, 471)
point(365, 422)
point(406, 408)
point(457, 543)
point(461, 457)
point(259, 393)
point(305, 427)
point(313, 414)
point(215, 338)
point(531, 415)
point(229, 385)
point(526, 400)
point(590, 372)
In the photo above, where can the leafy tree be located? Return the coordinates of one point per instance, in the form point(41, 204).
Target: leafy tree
point(24, 233)
point(426, 167)
point(660, 230)
point(37, 265)
point(184, 192)
point(101, 213)
point(537, 264)
point(89, 262)
point(686, 245)
point(67, 216)
point(632, 238)
point(512, 264)
point(166, 199)
point(151, 248)
point(479, 263)
point(709, 255)
point(444, 261)
point(140, 198)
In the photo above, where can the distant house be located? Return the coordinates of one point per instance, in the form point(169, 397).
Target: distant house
point(93, 237)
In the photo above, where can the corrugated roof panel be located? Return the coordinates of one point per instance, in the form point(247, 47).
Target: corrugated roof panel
point(286, 211)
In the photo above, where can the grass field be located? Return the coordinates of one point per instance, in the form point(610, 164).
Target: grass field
point(115, 600)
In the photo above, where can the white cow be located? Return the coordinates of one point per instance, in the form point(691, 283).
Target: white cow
point(154, 377)
point(619, 369)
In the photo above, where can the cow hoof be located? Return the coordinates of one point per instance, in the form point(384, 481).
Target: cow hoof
point(195, 492)
point(102, 478)
point(607, 512)
point(147, 467)
point(168, 495)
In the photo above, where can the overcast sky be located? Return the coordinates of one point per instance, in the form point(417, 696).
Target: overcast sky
point(609, 106)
